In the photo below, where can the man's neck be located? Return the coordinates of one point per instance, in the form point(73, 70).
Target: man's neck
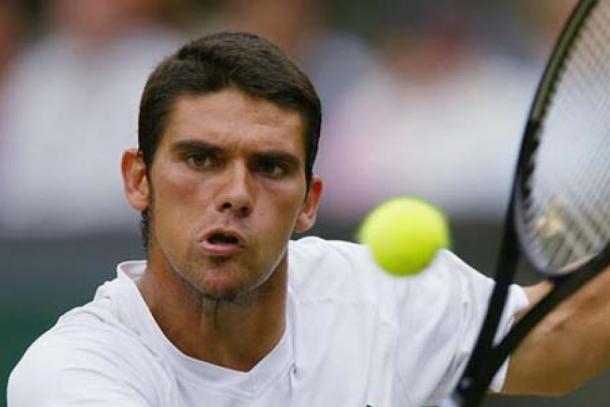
point(233, 334)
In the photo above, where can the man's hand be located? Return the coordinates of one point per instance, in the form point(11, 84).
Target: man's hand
point(569, 347)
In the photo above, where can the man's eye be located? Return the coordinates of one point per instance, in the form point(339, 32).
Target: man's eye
point(199, 160)
point(271, 168)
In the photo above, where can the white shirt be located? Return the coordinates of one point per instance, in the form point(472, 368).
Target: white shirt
point(355, 337)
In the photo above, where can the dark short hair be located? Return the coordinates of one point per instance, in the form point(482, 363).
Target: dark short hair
point(219, 61)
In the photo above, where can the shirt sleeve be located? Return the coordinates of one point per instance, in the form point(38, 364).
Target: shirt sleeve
point(441, 312)
point(56, 373)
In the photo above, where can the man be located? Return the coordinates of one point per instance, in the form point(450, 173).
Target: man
point(226, 311)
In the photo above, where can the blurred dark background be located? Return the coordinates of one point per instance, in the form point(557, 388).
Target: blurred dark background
point(420, 98)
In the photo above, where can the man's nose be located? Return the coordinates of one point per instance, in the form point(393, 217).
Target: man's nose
point(235, 193)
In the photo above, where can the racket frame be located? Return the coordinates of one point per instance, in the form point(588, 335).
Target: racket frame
point(487, 358)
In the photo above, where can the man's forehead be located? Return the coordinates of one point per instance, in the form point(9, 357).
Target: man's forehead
point(234, 103)
point(230, 117)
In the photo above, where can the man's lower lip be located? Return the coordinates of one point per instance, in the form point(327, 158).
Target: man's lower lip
point(215, 249)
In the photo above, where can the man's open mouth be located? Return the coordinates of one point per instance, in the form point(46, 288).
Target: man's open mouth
point(222, 242)
point(223, 238)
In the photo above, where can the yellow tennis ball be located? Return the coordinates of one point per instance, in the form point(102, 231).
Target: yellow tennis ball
point(404, 234)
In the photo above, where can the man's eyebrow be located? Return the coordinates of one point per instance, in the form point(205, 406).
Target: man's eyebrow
point(194, 145)
point(278, 155)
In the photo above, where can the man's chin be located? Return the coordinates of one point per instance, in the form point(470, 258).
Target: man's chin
point(224, 288)
point(222, 294)
point(224, 280)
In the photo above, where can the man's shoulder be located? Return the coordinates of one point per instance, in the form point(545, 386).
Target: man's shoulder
point(314, 258)
point(329, 265)
point(339, 277)
point(89, 346)
point(78, 337)
point(327, 269)
point(316, 250)
point(85, 349)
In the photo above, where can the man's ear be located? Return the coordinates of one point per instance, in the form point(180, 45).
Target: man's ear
point(135, 180)
point(307, 217)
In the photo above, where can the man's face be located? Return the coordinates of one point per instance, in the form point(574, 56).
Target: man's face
point(226, 190)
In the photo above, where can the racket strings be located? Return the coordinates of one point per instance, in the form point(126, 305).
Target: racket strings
point(555, 214)
point(575, 247)
point(560, 247)
point(573, 224)
point(567, 209)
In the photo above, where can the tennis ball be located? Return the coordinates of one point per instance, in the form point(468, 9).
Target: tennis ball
point(404, 234)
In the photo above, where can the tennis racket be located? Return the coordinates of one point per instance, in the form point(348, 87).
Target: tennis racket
point(558, 216)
